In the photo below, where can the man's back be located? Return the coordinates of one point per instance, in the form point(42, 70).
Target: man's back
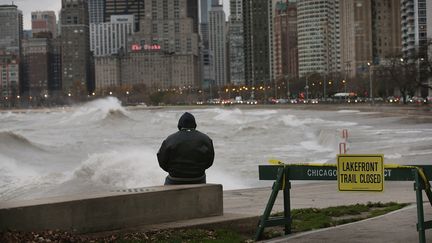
point(187, 153)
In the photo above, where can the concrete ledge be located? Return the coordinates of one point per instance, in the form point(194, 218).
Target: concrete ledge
point(114, 210)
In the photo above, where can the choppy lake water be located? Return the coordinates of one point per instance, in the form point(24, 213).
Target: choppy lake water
point(103, 146)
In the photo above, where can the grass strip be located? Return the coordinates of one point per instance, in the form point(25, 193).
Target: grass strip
point(314, 218)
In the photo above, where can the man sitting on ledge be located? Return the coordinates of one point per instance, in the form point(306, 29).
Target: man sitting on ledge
point(186, 154)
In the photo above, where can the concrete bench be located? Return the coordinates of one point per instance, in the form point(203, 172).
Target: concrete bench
point(113, 210)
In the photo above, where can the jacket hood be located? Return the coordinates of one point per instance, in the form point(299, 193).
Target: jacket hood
point(187, 120)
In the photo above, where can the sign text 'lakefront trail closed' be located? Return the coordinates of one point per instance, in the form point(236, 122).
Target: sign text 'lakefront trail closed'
point(360, 172)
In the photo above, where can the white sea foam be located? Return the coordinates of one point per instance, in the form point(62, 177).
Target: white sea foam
point(294, 121)
point(100, 109)
point(122, 169)
point(348, 111)
point(393, 156)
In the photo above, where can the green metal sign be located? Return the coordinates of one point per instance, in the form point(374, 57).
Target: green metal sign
point(283, 174)
point(329, 172)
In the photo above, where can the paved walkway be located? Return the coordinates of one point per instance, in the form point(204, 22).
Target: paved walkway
point(398, 226)
point(245, 206)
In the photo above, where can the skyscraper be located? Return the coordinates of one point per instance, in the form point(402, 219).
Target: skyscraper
point(386, 29)
point(10, 74)
point(258, 41)
point(293, 67)
point(204, 9)
point(217, 39)
point(280, 39)
point(76, 63)
point(207, 68)
point(414, 27)
point(236, 44)
point(318, 36)
point(37, 60)
point(416, 32)
point(11, 29)
point(55, 84)
point(126, 7)
point(356, 42)
point(44, 21)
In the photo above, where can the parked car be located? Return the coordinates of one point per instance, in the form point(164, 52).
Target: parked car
point(313, 101)
point(251, 102)
point(417, 100)
point(393, 99)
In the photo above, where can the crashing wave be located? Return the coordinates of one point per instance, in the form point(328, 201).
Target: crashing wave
point(11, 140)
point(108, 108)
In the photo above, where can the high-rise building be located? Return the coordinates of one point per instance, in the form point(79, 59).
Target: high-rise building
point(386, 29)
point(126, 7)
point(280, 39)
point(318, 36)
point(44, 21)
point(76, 63)
point(207, 69)
point(293, 67)
point(165, 52)
point(258, 41)
point(236, 44)
point(55, 84)
point(217, 40)
point(416, 32)
point(356, 36)
point(37, 60)
point(415, 27)
point(204, 8)
point(10, 74)
point(109, 38)
point(11, 29)
point(96, 11)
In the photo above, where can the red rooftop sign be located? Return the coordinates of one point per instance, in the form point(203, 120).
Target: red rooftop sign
point(138, 47)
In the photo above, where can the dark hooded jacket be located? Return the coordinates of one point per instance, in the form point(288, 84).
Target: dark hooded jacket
point(188, 152)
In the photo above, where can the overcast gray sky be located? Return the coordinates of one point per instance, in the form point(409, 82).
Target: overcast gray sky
point(27, 6)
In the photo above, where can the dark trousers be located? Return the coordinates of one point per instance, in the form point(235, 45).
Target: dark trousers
point(169, 180)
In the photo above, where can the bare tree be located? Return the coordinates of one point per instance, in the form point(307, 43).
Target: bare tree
point(399, 73)
point(426, 65)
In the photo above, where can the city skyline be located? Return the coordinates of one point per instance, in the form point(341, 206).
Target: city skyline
point(28, 6)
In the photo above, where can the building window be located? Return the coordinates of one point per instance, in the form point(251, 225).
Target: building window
point(189, 45)
point(165, 9)
point(177, 45)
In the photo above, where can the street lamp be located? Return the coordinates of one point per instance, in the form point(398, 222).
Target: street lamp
point(344, 84)
point(288, 86)
point(419, 79)
point(370, 81)
point(307, 89)
point(325, 86)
